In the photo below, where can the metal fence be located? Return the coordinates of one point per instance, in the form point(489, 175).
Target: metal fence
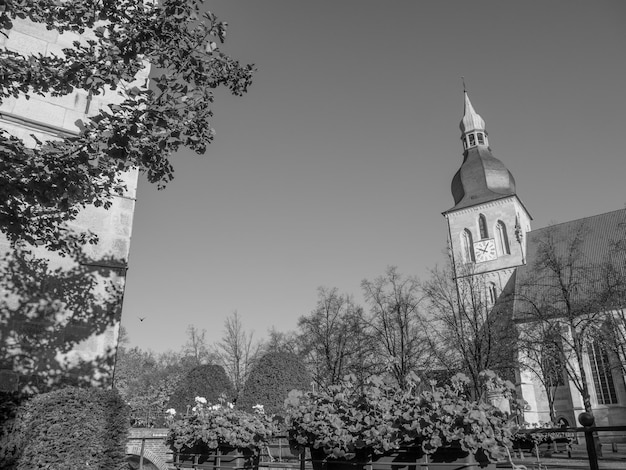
point(593, 448)
point(149, 419)
point(588, 447)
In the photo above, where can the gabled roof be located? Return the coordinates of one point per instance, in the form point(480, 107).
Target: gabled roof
point(583, 249)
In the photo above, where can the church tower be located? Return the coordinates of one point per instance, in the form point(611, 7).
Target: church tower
point(488, 223)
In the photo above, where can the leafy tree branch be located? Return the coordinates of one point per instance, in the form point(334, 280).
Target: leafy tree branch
point(47, 186)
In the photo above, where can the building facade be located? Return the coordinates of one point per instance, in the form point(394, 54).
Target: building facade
point(74, 346)
point(490, 239)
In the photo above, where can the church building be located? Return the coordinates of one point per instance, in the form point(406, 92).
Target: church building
point(525, 275)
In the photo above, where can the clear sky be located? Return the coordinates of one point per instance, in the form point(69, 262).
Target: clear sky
point(338, 161)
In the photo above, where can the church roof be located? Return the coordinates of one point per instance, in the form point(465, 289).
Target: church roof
point(481, 178)
point(585, 249)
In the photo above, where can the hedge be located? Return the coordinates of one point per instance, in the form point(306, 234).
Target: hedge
point(271, 380)
point(208, 381)
point(10, 441)
point(70, 429)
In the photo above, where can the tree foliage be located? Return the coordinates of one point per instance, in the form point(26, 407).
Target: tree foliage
point(273, 376)
point(43, 188)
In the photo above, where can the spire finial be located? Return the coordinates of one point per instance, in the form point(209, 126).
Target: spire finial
point(472, 125)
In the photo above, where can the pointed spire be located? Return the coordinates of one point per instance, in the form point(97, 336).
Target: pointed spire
point(472, 125)
point(471, 119)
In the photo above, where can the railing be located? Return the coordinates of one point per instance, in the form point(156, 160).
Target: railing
point(576, 445)
point(591, 437)
point(149, 419)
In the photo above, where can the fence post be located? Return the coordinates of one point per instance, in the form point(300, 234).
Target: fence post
point(587, 420)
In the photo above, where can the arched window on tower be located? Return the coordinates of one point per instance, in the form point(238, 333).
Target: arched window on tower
point(468, 246)
point(482, 227)
point(472, 140)
point(481, 139)
point(493, 293)
point(502, 238)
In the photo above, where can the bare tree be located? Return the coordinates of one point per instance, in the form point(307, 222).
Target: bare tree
point(466, 330)
point(332, 338)
point(541, 354)
point(196, 351)
point(397, 323)
point(279, 341)
point(614, 287)
point(236, 352)
point(566, 292)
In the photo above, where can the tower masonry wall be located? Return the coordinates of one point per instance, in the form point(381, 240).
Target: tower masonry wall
point(507, 210)
point(84, 352)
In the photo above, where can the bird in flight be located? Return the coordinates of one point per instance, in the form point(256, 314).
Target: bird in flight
point(141, 318)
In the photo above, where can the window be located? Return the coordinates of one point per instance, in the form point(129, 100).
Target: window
point(502, 238)
point(493, 293)
point(601, 372)
point(481, 139)
point(468, 246)
point(482, 227)
point(472, 140)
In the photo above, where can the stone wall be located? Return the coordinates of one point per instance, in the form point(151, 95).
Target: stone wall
point(156, 454)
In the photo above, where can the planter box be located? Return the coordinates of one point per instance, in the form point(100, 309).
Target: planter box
point(199, 457)
point(454, 458)
point(400, 459)
point(411, 458)
point(320, 461)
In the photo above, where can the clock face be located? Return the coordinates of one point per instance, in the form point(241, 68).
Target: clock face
point(485, 250)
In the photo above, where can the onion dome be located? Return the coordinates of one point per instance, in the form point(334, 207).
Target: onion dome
point(482, 177)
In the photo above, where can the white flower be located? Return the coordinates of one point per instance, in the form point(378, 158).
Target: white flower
point(201, 400)
point(171, 411)
point(230, 405)
point(215, 407)
point(194, 409)
point(259, 409)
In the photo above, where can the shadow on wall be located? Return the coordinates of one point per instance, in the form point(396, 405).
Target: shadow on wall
point(58, 325)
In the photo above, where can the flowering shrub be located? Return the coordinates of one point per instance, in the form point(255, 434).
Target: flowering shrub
point(447, 417)
point(342, 420)
point(221, 425)
point(346, 420)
